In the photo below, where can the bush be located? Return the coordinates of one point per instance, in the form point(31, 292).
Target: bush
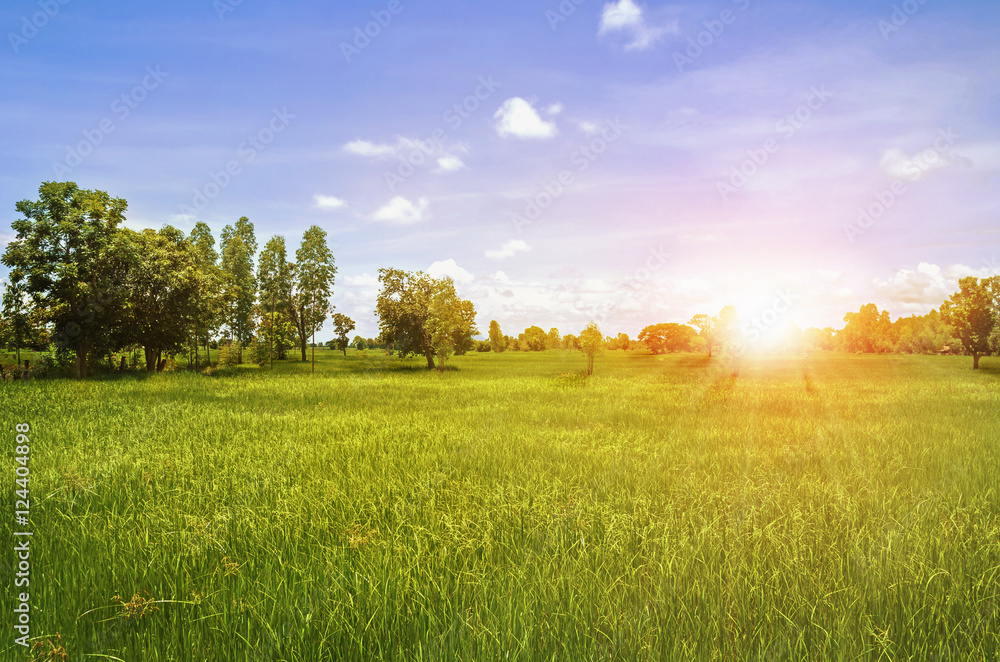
point(229, 355)
point(259, 352)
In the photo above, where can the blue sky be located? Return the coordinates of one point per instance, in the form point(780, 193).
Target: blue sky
point(680, 156)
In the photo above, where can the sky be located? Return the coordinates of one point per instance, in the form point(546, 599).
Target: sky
point(563, 161)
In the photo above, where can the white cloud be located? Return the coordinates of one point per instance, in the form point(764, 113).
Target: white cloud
point(451, 269)
point(895, 163)
point(627, 17)
point(449, 163)
point(401, 211)
point(509, 249)
point(555, 109)
point(366, 148)
point(518, 118)
point(327, 202)
point(927, 287)
point(590, 128)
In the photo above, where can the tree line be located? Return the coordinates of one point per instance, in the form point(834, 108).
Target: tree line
point(87, 288)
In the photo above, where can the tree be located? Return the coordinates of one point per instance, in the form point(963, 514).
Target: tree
point(342, 325)
point(623, 341)
point(162, 293)
point(208, 304)
point(313, 277)
point(497, 342)
point(972, 313)
point(419, 315)
point(718, 330)
point(592, 344)
point(239, 245)
point(533, 339)
point(819, 338)
point(68, 257)
point(668, 337)
point(274, 282)
point(867, 330)
point(451, 322)
point(357, 343)
point(552, 341)
point(570, 341)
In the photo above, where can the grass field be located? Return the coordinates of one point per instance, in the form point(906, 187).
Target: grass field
point(835, 507)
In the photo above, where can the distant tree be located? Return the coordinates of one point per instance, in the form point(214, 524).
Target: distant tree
point(70, 259)
point(239, 245)
point(359, 343)
point(819, 338)
point(592, 344)
point(553, 340)
point(274, 283)
point(623, 341)
point(314, 275)
point(497, 341)
point(570, 341)
point(717, 330)
point(421, 315)
point(512, 344)
point(484, 346)
point(867, 330)
point(342, 326)
point(208, 295)
point(534, 339)
point(972, 313)
point(922, 334)
point(668, 337)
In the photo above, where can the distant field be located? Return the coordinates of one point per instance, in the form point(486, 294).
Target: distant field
point(837, 507)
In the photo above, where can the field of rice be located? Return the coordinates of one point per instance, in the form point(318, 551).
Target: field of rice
point(509, 508)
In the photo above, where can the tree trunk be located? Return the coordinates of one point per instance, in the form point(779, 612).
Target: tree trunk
point(80, 367)
point(208, 351)
point(430, 360)
point(152, 358)
point(302, 338)
point(975, 361)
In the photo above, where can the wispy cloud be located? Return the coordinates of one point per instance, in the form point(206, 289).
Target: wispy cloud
point(629, 18)
point(450, 269)
point(400, 211)
point(509, 249)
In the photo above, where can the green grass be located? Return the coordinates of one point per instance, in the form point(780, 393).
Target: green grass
point(839, 507)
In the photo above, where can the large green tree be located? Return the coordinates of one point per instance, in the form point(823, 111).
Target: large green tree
point(313, 278)
point(972, 313)
point(208, 305)
point(239, 245)
point(69, 257)
point(421, 315)
point(867, 330)
point(667, 337)
point(162, 293)
point(274, 285)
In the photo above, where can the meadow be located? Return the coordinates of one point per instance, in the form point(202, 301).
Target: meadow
point(832, 507)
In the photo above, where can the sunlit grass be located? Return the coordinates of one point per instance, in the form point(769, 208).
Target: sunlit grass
point(839, 507)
